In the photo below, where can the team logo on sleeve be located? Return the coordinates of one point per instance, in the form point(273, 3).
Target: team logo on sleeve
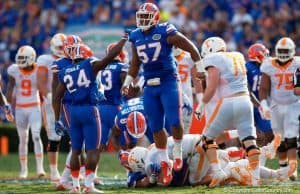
point(156, 37)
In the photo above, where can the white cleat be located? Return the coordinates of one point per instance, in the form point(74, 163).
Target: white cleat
point(41, 173)
point(54, 176)
point(269, 151)
point(23, 174)
point(91, 190)
point(283, 173)
point(97, 181)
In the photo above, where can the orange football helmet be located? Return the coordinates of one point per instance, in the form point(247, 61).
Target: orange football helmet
point(147, 16)
point(136, 124)
point(257, 52)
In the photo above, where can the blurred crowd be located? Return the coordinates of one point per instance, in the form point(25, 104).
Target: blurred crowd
point(239, 22)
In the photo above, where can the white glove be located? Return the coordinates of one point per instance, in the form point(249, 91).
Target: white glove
point(264, 110)
point(199, 112)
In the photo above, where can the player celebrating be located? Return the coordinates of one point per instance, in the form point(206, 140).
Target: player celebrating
point(44, 63)
point(111, 79)
point(152, 47)
point(78, 79)
point(23, 77)
point(227, 77)
point(277, 84)
point(256, 54)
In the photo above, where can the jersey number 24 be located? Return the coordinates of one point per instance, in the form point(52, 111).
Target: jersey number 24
point(81, 81)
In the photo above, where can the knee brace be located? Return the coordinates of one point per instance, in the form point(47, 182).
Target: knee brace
point(251, 149)
point(53, 146)
point(291, 143)
point(208, 144)
point(282, 147)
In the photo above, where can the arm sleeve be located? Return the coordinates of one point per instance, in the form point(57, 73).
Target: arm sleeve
point(170, 29)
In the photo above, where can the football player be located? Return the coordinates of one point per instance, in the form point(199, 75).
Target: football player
point(111, 78)
point(78, 79)
point(152, 44)
point(256, 54)
point(23, 77)
point(277, 84)
point(131, 124)
point(44, 77)
point(227, 77)
point(188, 73)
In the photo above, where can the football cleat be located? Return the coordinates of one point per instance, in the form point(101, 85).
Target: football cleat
point(97, 181)
point(269, 151)
point(166, 170)
point(91, 190)
point(23, 174)
point(41, 173)
point(54, 176)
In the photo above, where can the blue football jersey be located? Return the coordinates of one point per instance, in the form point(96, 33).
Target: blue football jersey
point(111, 81)
point(154, 51)
point(134, 104)
point(253, 76)
point(80, 82)
point(58, 66)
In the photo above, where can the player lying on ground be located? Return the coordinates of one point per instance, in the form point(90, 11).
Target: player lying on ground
point(145, 168)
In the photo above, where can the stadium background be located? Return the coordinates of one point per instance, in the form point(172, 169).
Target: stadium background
point(99, 22)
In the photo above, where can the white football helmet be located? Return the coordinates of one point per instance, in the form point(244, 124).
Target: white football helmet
point(177, 51)
point(56, 44)
point(212, 45)
point(147, 16)
point(136, 159)
point(25, 56)
point(285, 49)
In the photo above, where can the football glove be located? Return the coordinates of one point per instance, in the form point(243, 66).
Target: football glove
point(60, 129)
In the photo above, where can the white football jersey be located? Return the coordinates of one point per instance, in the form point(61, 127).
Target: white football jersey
point(184, 66)
point(189, 142)
point(233, 77)
point(281, 79)
point(46, 61)
point(26, 91)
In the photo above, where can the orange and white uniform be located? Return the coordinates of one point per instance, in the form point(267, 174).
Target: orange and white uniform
point(234, 108)
point(28, 111)
point(44, 63)
point(184, 66)
point(285, 107)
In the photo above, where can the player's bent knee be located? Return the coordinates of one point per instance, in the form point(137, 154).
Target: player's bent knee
point(53, 146)
point(291, 143)
point(282, 147)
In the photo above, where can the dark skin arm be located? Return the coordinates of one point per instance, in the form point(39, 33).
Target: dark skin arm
point(59, 93)
point(115, 134)
point(135, 63)
point(180, 41)
point(115, 51)
point(42, 79)
point(265, 87)
point(10, 88)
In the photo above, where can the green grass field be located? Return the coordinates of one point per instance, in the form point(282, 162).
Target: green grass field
point(114, 180)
